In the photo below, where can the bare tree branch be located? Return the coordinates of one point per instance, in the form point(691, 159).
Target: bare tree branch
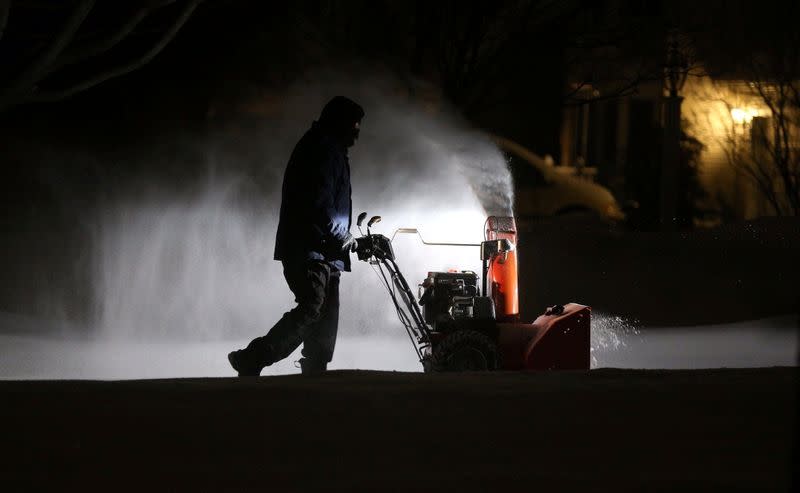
point(75, 56)
point(510, 25)
point(37, 67)
point(575, 90)
point(775, 171)
point(630, 88)
point(122, 69)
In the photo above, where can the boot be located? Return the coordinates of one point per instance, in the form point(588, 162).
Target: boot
point(244, 363)
point(312, 367)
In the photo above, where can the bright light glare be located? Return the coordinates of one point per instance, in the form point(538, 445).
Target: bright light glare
point(743, 115)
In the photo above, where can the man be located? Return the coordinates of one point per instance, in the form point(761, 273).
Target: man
point(313, 243)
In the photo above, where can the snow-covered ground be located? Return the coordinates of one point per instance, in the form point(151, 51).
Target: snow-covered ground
point(31, 350)
point(748, 344)
point(23, 357)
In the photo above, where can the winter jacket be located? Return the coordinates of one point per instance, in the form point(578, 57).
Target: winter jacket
point(316, 206)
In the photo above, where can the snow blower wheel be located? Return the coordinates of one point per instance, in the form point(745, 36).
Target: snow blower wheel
point(465, 350)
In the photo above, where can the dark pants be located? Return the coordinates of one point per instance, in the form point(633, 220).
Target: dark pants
point(314, 322)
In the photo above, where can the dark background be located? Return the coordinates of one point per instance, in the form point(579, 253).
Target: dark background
point(62, 158)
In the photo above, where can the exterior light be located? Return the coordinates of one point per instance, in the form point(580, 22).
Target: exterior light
point(743, 116)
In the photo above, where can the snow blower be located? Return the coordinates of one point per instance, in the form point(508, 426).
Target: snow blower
point(456, 323)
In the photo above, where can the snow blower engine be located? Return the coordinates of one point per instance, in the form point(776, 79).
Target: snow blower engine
point(461, 321)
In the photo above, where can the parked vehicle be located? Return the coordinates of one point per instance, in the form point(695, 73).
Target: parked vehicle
point(543, 190)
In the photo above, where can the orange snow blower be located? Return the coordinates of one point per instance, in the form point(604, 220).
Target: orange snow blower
point(457, 325)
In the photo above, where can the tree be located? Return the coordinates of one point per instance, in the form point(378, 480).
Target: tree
point(765, 148)
point(477, 44)
point(467, 48)
point(757, 87)
point(39, 62)
point(773, 163)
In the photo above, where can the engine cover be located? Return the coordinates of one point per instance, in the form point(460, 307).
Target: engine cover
point(452, 296)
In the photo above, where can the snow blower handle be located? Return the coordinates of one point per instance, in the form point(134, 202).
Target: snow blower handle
point(360, 220)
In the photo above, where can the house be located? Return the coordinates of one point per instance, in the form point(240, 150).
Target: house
point(739, 80)
point(621, 138)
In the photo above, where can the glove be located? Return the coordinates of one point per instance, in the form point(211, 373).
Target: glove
point(349, 244)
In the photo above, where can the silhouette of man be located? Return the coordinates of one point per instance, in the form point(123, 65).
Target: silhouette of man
point(313, 243)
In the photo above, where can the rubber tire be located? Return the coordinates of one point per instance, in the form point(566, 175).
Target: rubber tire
point(465, 350)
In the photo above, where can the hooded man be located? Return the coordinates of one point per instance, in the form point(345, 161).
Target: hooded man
point(313, 243)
